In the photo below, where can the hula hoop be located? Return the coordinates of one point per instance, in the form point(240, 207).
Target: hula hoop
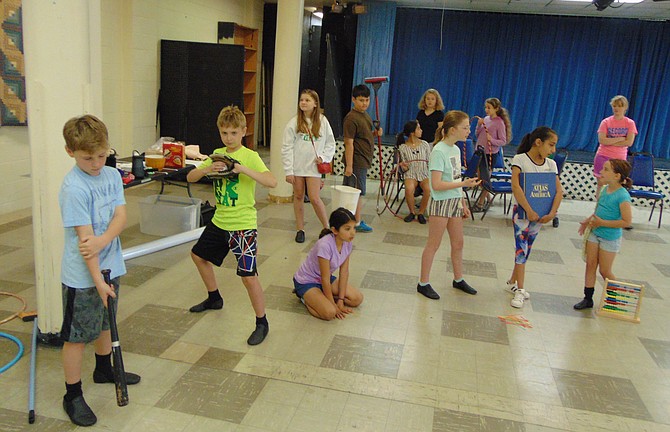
point(389, 187)
point(16, 314)
point(18, 355)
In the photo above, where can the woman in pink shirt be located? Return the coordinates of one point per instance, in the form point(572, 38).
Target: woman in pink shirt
point(615, 134)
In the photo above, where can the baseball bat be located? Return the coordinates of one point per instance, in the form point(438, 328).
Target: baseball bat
point(117, 357)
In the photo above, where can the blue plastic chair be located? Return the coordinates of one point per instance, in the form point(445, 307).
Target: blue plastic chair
point(499, 165)
point(495, 188)
point(471, 172)
point(643, 175)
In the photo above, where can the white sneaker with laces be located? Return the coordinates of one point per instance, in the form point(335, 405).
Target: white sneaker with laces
point(519, 297)
point(512, 288)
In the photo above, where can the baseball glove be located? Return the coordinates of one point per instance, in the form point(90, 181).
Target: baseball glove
point(227, 172)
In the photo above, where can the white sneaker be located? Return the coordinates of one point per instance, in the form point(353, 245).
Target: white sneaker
point(519, 297)
point(512, 289)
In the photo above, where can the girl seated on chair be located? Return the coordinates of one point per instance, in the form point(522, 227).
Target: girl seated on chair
point(325, 295)
point(414, 154)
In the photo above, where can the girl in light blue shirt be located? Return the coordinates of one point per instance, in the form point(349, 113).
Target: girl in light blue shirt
point(612, 214)
point(446, 202)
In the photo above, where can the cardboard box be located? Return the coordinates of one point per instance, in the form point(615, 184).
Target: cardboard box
point(175, 155)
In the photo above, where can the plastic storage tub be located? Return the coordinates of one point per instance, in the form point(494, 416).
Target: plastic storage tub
point(164, 215)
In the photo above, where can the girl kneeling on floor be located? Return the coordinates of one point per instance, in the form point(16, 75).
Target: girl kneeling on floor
point(324, 295)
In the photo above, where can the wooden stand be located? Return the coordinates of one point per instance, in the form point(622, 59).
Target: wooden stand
point(248, 38)
point(621, 300)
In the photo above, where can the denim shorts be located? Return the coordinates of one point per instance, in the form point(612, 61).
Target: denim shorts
point(606, 245)
point(301, 289)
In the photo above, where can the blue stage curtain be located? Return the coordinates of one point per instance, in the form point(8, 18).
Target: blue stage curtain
point(374, 50)
point(546, 70)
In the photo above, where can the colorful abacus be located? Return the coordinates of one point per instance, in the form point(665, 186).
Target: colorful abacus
point(621, 300)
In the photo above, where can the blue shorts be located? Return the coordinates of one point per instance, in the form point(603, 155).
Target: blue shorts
point(606, 245)
point(301, 289)
point(357, 180)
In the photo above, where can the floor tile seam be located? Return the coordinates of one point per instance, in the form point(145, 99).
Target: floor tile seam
point(357, 375)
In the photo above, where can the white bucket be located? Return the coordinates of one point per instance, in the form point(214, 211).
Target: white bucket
point(345, 196)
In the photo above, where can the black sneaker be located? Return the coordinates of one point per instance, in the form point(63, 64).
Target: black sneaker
point(258, 334)
point(300, 236)
point(427, 291)
point(409, 217)
point(422, 219)
point(79, 412)
point(101, 378)
point(463, 286)
point(584, 304)
point(201, 307)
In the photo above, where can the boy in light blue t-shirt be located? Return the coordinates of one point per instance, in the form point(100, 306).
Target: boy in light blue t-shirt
point(94, 214)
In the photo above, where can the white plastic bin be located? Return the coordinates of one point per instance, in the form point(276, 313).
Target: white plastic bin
point(345, 196)
point(165, 215)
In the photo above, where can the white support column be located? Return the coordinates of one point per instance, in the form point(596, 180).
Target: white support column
point(63, 80)
point(285, 89)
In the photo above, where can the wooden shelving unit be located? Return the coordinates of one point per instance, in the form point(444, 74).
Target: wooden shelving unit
point(248, 37)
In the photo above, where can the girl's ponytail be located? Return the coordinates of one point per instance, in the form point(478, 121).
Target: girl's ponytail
point(623, 168)
point(451, 119)
point(407, 130)
point(337, 218)
point(503, 114)
point(542, 133)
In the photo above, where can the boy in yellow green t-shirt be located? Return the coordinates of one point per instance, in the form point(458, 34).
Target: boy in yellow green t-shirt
point(233, 227)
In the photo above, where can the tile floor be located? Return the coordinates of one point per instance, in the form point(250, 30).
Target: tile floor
point(401, 362)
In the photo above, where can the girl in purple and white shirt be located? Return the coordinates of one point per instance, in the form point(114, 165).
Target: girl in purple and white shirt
point(325, 295)
point(493, 132)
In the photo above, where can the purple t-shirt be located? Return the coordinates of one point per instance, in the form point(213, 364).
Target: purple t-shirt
point(325, 247)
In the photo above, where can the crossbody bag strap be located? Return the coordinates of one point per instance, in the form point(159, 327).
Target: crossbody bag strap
point(309, 132)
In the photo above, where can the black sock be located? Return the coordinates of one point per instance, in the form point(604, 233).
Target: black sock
point(103, 364)
point(262, 320)
point(213, 296)
point(73, 390)
point(588, 293)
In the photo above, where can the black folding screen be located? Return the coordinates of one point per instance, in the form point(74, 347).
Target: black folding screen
point(197, 80)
